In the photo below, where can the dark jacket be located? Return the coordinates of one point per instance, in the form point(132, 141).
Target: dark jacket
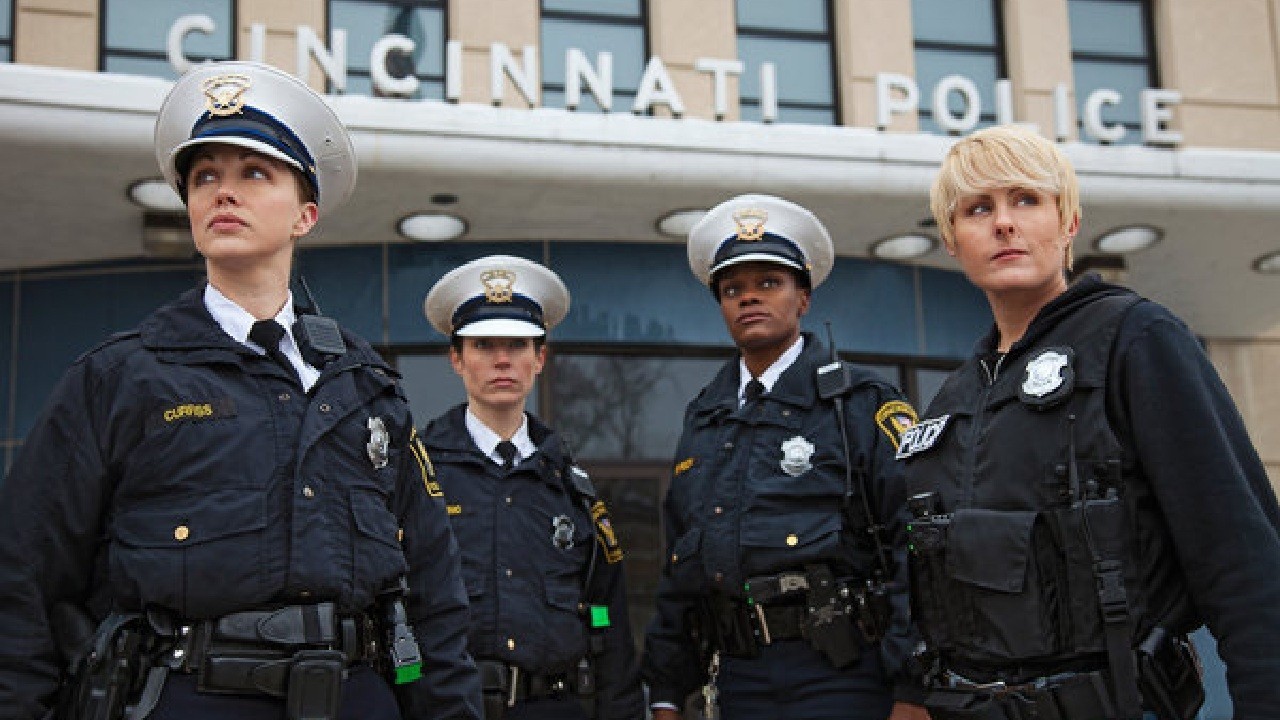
point(175, 468)
point(733, 513)
point(1145, 412)
point(527, 593)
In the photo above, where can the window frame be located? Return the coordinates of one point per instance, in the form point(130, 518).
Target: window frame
point(1133, 129)
point(366, 74)
point(105, 51)
point(833, 53)
point(6, 41)
point(1000, 48)
point(642, 22)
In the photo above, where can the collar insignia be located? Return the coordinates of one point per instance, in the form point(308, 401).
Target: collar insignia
point(224, 94)
point(796, 453)
point(750, 222)
point(497, 285)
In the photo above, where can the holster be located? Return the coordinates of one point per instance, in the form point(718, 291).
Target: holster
point(830, 623)
point(1170, 675)
point(108, 673)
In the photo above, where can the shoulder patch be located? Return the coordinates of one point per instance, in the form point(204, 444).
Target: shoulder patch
point(428, 470)
point(605, 534)
point(683, 466)
point(895, 418)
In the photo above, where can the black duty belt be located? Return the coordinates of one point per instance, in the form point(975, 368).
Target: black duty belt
point(254, 651)
point(514, 684)
point(773, 623)
point(1057, 697)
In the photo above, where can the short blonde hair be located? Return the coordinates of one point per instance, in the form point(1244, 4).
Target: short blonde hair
point(1004, 156)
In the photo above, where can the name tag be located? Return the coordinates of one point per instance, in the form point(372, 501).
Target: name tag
point(921, 436)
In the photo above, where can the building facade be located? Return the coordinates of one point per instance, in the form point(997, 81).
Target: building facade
point(588, 134)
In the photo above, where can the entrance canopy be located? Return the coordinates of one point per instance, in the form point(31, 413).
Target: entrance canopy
point(73, 143)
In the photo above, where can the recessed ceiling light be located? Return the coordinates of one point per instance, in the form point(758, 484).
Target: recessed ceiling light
point(1128, 239)
point(432, 228)
point(907, 246)
point(678, 223)
point(1268, 264)
point(156, 195)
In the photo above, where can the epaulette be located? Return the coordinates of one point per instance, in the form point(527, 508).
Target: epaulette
point(113, 339)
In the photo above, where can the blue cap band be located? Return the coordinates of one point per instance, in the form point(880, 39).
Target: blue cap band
point(521, 307)
point(768, 244)
point(257, 125)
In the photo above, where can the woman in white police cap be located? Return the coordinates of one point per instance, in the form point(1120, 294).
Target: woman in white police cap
point(231, 493)
point(549, 628)
point(782, 593)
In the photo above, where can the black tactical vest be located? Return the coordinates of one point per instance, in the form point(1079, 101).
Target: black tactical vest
point(1013, 450)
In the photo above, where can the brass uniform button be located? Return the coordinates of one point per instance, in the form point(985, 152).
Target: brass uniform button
point(792, 540)
point(182, 532)
point(511, 644)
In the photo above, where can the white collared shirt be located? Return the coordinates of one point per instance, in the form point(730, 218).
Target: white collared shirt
point(487, 440)
point(771, 373)
point(236, 322)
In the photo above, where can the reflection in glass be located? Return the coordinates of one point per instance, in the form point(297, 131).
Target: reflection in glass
point(970, 22)
point(6, 30)
point(625, 406)
point(622, 8)
point(1108, 27)
point(367, 21)
point(135, 33)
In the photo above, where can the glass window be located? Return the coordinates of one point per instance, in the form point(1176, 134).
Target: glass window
point(796, 38)
point(1111, 47)
point(433, 387)
point(367, 21)
point(957, 37)
point(625, 407)
point(135, 32)
point(593, 26)
point(6, 30)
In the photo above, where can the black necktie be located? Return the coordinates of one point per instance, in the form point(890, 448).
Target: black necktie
point(753, 391)
point(268, 334)
point(509, 454)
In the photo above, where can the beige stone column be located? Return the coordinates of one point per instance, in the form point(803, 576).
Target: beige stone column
point(282, 20)
point(1223, 58)
point(1038, 53)
point(57, 33)
point(872, 36)
point(1248, 367)
point(681, 32)
point(479, 23)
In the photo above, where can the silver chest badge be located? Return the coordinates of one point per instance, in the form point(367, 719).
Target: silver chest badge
point(1044, 373)
point(379, 443)
point(562, 532)
point(795, 456)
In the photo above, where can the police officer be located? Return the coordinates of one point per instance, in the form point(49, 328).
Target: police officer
point(232, 492)
point(542, 564)
point(1085, 489)
point(783, 586)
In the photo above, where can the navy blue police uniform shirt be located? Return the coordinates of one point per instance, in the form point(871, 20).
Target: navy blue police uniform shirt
point(525, 588)
point(174, 467)
point(734, 512)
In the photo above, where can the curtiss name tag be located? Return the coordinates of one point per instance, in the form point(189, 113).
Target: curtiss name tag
point(921, 436)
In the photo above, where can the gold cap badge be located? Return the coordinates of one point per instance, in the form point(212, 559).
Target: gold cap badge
point(750, 222)
point(224, 94)
point(497, 285)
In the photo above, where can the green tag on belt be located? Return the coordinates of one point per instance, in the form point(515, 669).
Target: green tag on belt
point(600, 616)
point(408, 673)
